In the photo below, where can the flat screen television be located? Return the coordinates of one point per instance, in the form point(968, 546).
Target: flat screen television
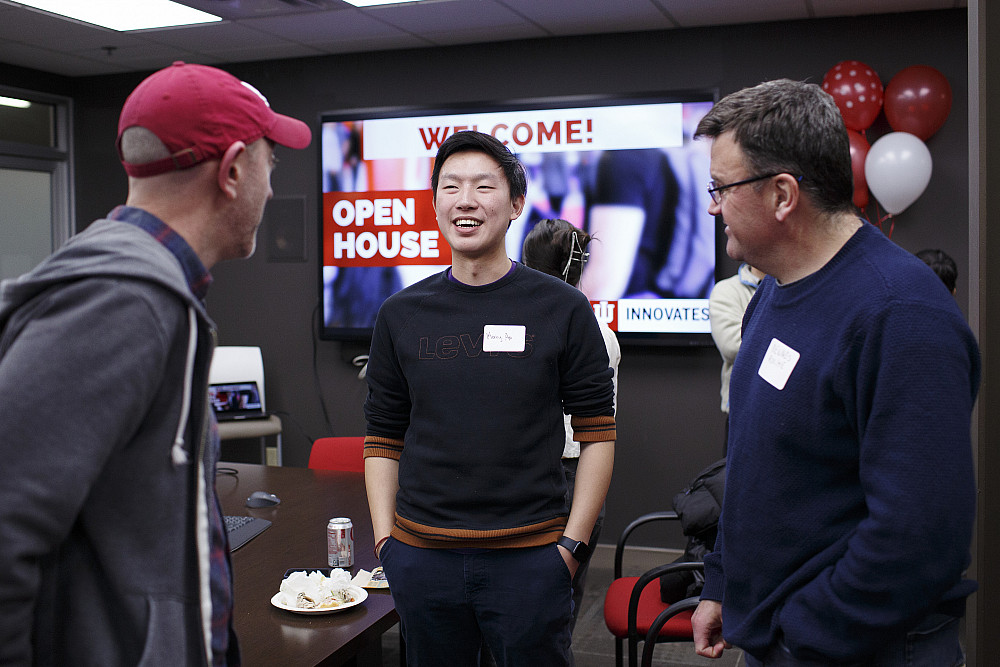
point(625, 169)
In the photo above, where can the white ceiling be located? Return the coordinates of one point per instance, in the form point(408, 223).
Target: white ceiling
point(272, 29)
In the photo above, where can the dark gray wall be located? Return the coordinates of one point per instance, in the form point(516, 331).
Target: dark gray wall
point(669, 420)
point(29, 79)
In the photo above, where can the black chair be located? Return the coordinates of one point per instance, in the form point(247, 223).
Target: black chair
point(687, 604)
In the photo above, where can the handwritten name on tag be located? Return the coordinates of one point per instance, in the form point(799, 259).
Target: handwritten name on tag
point(503, 338)
point(779, 361)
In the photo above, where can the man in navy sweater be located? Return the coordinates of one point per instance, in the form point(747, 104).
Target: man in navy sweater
point(850, 493)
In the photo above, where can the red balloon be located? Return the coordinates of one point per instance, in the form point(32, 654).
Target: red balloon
point(917, 100)
point(859, 151)
point(858, 92)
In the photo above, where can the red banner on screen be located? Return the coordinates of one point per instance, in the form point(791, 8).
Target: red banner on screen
point(381, 228)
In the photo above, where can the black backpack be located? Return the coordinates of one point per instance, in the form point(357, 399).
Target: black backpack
point(698, 506)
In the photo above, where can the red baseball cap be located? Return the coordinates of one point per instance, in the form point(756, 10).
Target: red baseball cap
point(198, 112)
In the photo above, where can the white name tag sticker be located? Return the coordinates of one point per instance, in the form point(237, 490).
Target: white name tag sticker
point(503, 338)
point(779, 361)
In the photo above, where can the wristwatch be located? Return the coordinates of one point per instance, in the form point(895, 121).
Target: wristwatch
point(580, 551)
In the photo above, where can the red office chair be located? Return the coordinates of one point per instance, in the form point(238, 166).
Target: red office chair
point(633, 609)
point(345, 453)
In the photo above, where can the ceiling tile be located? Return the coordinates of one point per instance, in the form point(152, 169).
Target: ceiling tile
point(730, 12)
point(558, 17)
point(326, 27)
point(455, 17)
point(214, 37)
point(56, 62)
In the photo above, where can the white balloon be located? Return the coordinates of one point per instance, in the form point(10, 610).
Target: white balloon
point(898, 169)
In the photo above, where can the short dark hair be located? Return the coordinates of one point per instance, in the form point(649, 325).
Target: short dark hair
point(548, 248)
point(790, 127)
point(469, 140)
point(942, 264)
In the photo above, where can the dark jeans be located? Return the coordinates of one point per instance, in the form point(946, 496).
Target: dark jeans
point(580, 579)
point(516, 601)
point(932, 643)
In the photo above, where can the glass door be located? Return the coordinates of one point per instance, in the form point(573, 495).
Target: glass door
point(36, 215)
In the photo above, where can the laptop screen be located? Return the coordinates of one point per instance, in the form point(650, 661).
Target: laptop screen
point(236, 400)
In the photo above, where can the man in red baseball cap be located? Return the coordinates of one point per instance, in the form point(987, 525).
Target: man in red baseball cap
point(114, 550)
point(198, 112)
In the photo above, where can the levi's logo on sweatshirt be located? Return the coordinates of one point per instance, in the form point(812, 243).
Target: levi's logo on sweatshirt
point(466, 345)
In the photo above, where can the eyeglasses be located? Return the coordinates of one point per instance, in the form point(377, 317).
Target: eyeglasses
point(715, 191)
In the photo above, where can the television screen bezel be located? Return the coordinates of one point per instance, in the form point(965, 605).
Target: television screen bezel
point(364, 334)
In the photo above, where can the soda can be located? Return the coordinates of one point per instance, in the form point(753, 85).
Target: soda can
point(340, 542)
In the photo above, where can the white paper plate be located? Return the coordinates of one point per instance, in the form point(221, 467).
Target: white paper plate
point(360, 595)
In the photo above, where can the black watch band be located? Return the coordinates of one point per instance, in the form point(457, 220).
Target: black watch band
point(579, 550)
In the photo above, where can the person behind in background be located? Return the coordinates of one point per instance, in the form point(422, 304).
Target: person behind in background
point(113, 549)
point(469, 374)
point(726, 305)
point(559, 249)
point(943, 265)
point(850, 496)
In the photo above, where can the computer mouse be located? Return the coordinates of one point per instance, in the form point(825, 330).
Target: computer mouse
point(262, 499)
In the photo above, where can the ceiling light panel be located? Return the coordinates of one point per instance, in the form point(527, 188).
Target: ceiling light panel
point(124, 15)
point(373, 3)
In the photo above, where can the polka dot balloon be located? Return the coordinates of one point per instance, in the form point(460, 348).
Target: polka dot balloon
point(858, 92)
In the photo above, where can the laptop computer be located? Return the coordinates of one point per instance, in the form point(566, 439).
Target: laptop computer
point(236, 400)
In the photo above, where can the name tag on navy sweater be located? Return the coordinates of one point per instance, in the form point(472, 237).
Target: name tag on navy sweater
point(503, 338)
point(779, 361)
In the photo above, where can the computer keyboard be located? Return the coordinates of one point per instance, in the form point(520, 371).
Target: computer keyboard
point(242, 529)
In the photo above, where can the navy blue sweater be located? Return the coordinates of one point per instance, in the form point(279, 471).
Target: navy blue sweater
point(850, 493)
point(479, 435)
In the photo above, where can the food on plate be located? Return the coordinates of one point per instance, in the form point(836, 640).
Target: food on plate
point(328, 600)
point(314, 590)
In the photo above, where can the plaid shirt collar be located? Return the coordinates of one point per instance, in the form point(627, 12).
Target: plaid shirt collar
point(197, 276)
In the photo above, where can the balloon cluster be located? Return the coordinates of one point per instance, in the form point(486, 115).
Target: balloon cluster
point(897, 167)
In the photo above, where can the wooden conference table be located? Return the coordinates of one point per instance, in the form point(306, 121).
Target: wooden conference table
point(297, 539)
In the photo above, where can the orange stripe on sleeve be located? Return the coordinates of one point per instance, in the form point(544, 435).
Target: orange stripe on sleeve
point(386, 448)
point(593, 429)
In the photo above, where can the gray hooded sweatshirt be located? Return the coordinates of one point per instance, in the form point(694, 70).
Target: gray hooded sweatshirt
point(107, 464)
